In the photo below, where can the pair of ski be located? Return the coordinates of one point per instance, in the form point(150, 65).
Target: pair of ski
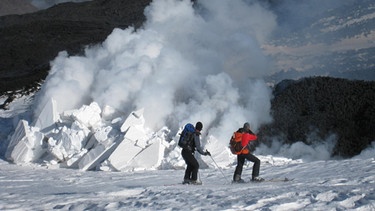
point(267, 180)
point(246, 182)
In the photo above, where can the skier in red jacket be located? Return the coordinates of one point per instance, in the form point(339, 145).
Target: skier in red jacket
point(247, 140)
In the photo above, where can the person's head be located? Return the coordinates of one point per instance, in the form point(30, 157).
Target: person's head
point(199, 126)
point(246, 126)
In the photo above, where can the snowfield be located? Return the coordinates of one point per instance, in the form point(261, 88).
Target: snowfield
point(318, 185)
point(319, 182)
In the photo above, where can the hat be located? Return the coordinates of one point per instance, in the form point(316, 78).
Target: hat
point(199, 126)
point(246, 126)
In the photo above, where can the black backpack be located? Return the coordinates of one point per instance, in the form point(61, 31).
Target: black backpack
point(235, 143)
point(186, 140)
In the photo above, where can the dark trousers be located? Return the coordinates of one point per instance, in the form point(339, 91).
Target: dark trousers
point(191, 172)
point(241, 161)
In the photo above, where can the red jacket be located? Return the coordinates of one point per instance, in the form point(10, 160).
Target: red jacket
point(246, 138)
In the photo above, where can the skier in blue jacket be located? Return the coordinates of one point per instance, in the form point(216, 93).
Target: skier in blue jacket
point(191, 172)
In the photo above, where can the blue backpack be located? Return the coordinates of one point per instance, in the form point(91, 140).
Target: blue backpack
point(187, 137)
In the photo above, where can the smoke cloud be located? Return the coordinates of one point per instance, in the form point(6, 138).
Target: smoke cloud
point(186, 64)
point(317, 149)
point(195, 62)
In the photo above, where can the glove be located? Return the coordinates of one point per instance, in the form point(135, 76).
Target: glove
point(207, 153)
point(252, 146)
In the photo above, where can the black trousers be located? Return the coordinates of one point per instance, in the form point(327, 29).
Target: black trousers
point(241, 161)
point(191, 172)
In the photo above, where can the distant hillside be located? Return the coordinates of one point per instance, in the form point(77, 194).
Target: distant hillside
point(16, 7)
point(44, 4)
point(312, 40)
point(322, 106)
point(29, 42)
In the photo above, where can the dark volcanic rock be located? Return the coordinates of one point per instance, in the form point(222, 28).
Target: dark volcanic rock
point(324, 106)
point(29, 42)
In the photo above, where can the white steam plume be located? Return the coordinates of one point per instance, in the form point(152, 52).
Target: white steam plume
point(318, 149)
point(184, 65)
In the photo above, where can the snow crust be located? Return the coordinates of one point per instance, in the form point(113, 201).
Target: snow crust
point(317, 185)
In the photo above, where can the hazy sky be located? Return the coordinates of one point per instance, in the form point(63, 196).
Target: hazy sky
point(43, 4)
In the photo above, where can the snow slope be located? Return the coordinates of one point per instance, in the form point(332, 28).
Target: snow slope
point(317, 185)
point(320, 183)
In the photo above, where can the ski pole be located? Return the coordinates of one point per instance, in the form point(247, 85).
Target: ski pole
point(219, 169)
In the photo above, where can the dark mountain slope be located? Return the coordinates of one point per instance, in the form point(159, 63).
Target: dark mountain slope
point(323, 106)
point(29, 42)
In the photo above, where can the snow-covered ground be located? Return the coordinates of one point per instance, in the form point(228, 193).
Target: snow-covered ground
point(319, 182)
point(318, 185)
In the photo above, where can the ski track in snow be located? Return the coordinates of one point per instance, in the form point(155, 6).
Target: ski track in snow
point(319, 185)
